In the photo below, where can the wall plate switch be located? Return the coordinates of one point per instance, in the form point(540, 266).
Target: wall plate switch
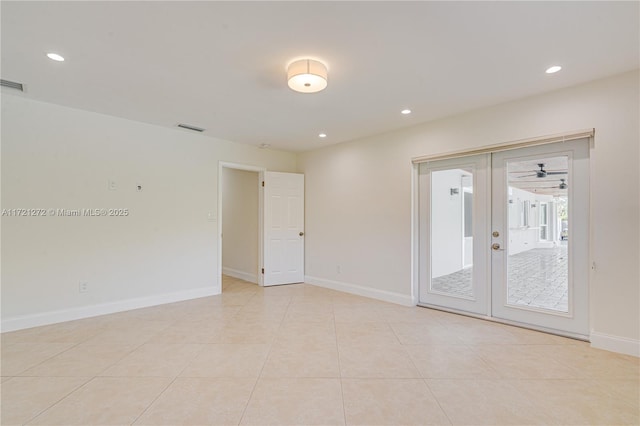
point(112, 185)
point(211, 217)
point(83, 286)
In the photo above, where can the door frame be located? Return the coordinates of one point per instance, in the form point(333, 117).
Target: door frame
point(246, 167)
point(522, 143)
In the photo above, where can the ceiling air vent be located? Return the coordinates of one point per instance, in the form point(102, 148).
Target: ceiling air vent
point(12, 85)
point(190, 127)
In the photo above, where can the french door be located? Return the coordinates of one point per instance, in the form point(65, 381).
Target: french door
point(541, 281)
point(506, 235)
point(453, 207)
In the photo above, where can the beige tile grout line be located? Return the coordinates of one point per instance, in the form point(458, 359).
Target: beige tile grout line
point(335, 329)
point(89, 379)
point(156, 398)
point(265, 360)
point(174, 379)
point(418, 371)
point(166, 387)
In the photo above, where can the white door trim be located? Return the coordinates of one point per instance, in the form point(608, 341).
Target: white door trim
point(506, 146)
point(415, 234)
point(260, 170)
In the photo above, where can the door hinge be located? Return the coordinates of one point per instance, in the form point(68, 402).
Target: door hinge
point(263, 184)
point(263, 271)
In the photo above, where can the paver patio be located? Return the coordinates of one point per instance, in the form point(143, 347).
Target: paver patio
point(537, 278)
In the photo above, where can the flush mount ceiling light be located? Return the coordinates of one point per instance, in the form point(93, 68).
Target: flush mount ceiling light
point(405, 111)
point(322, 135)
point(307, 76)
point(553, 69)
point(55, 57)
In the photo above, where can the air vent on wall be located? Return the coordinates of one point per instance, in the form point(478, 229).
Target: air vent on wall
point(190, 127)
point(12, 85)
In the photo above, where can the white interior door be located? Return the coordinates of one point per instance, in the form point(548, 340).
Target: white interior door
point(540, 257)
point(453, 233)
point(283, 228)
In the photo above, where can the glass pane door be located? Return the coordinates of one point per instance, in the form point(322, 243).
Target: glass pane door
point(540, 236)
point(453, 227)
point(537, 268)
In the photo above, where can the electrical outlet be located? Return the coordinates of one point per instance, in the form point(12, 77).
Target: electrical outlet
point(83, 287)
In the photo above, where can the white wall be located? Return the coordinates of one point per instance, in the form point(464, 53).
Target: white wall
point(240, 224)
point(359, 194)
point(166, 249)
point(446, 222)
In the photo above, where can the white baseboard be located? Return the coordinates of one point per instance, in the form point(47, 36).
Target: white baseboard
point(235, 273)
point(52, 317)
point(386, 296)
point(622, 345)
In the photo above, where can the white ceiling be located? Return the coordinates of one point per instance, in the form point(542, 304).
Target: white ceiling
point(221, 65)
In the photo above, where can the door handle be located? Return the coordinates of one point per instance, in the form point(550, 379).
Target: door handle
point(496, 247)
point(301, 233)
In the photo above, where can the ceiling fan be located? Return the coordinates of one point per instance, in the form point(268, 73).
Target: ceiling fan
point(542, 173)
point(563, 185)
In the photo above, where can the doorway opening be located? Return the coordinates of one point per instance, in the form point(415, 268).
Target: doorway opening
point(240, 223)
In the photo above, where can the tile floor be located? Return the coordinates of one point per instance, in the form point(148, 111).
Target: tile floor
point(540, 278)
point(537, 278)
point(300, 354)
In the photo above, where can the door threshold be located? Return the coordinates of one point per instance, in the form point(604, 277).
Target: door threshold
point(560, 333)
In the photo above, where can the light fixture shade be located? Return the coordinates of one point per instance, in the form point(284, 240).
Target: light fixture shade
point(307, 76)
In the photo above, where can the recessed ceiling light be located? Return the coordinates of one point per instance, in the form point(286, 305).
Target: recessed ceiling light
point(405, 111)
point(55, 57)
point(322, 135)
point(553, 69)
